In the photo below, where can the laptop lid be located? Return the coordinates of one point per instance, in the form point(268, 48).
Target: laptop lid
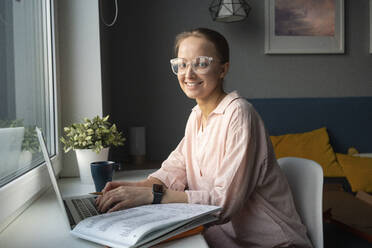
point(51, 173)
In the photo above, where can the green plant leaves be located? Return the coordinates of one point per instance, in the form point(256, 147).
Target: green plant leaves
point(95, 134)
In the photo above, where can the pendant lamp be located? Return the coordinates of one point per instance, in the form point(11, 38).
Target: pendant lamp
point(229, 10)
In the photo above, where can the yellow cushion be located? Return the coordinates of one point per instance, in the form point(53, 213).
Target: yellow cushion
point(358, 171)
point(312, 145)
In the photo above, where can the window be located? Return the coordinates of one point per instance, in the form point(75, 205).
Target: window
point(27, 85)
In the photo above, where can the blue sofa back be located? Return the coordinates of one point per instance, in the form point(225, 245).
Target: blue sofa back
point(348, 119)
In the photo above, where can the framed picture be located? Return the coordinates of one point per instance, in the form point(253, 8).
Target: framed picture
point(304, 26)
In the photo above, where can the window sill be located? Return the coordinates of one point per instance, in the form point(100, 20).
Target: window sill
point(55, 232)
point(23, 191)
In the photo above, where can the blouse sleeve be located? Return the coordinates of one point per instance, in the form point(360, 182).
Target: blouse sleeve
point(173, 172)
point(238, 174)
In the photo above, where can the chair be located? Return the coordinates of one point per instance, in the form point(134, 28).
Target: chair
point(305, 178)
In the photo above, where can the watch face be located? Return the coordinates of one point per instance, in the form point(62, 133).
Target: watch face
point(157, 188)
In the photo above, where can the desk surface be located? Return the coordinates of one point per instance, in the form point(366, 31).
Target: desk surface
point(43, 225)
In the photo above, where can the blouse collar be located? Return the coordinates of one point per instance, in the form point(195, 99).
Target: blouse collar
point(221, 107)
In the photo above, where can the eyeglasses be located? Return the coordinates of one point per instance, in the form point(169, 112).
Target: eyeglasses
point(200, 65)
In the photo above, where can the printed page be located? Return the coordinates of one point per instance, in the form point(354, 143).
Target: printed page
point(126, 227)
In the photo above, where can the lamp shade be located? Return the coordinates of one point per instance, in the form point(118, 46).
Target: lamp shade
point(229, 10)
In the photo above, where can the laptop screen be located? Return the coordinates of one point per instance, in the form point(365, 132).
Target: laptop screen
point(51, 172)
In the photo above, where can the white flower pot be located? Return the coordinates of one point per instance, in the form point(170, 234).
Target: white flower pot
point(84, 158)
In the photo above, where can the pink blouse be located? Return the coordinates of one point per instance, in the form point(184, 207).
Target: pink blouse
point(231, 163)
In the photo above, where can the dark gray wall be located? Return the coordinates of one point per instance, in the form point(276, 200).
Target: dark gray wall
point(140, 89)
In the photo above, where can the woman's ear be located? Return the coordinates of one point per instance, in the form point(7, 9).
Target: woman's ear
point(225, 69)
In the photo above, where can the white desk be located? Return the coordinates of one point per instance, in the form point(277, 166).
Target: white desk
point(43, 225)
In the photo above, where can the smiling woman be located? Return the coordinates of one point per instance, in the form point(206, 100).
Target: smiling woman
point(224, 159)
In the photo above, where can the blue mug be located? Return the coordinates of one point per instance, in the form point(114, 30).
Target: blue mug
point(102, 172)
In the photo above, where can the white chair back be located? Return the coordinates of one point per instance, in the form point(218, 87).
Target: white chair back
point(305, 177)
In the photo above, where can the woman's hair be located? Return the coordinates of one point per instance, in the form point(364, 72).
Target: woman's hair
point(219, 42)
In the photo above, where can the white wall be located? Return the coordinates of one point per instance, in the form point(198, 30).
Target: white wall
point(80, 67)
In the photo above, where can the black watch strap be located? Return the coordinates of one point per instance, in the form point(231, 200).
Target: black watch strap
point(157, 191)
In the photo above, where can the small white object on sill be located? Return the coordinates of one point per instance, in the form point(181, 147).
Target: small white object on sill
point(365, 155)
point(137, 138)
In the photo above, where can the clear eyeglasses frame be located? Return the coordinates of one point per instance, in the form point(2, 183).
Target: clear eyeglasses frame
point(200, 65)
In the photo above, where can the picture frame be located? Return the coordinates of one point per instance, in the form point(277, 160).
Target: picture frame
point(305, 44)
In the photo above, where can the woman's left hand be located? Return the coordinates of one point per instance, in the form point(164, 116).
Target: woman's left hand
point(124, 197)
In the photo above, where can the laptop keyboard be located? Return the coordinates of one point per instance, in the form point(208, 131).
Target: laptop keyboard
point(86, 207)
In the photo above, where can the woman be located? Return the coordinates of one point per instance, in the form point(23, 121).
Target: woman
point(225, 158)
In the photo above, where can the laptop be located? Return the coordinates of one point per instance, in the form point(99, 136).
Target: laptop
point(75, 208)
point(10, 149)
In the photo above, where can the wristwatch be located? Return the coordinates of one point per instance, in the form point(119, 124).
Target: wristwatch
point(157, 191)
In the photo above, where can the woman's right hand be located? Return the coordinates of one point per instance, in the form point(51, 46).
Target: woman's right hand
point(113, 185)
point(110, 186)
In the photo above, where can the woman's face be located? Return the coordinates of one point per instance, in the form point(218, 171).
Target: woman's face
point(196, 85)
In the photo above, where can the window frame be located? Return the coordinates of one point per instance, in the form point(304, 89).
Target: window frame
point(24, 190)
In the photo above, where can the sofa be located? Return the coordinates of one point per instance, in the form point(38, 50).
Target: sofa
point(335, 132)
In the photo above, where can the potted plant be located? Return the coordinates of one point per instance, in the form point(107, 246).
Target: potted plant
point(91, 141)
